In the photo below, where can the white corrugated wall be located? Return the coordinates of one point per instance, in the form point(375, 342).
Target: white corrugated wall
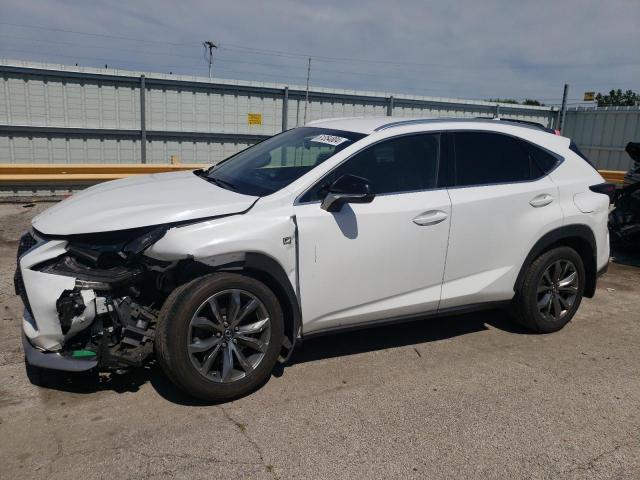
point(603, 133)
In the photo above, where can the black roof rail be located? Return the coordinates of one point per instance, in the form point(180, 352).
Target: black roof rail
point(418, 121)
point(412, 121)
point(518, 121)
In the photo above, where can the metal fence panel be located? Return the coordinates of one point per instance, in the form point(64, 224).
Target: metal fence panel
point(603, 133)
point(22, 149)
point(64, 114)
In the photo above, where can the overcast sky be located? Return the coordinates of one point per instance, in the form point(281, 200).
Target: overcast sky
point(454, 48)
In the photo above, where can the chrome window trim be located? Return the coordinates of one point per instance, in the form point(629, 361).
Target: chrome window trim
point(403, 192)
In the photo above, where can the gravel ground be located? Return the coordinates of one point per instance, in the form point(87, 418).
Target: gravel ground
point(470, 396)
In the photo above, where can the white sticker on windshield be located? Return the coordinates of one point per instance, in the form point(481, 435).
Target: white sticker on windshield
point(329, 139)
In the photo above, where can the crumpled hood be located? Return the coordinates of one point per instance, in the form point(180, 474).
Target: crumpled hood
point(139, 202)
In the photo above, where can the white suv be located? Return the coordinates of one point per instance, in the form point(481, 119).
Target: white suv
point(340, 224)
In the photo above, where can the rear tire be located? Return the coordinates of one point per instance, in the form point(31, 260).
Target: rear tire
point(551, 291)
point(219, 336)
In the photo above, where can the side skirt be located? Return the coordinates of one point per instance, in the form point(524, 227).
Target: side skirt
point(447, 312)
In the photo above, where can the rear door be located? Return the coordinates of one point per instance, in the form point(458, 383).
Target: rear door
point(502, 203)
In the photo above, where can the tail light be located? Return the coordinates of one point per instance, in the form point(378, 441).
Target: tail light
point(607, 189)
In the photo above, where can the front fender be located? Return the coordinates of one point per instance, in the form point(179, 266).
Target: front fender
point(264, 245)
point(272, 235)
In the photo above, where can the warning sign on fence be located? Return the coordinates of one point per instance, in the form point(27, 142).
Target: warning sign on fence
point(254, 118)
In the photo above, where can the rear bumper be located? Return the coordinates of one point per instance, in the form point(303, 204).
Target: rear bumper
point(53, 360)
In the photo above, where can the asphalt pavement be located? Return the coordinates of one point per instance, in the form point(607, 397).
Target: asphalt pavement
point(470, 396)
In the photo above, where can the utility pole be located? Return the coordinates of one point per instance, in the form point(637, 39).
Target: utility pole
point(306, 98)
point(565, 94)
point(209, 47)
point(143, 121)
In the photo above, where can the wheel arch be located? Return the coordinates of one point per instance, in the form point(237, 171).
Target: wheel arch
point(261, 267)
point(267, 270)
point(580, 238)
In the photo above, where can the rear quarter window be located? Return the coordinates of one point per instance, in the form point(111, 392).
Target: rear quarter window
point(574, 148)
point(542, 162)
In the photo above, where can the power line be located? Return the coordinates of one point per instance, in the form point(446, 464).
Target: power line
point(173, 66)
point(251, 51)
point(224, 46)
point(93, 34)
point(100, 59)
point(84, 46)
point(280, 77)
point(320, 70)
point(223, 60)
point(146, 52)
point(250, 74)
point(319, 58)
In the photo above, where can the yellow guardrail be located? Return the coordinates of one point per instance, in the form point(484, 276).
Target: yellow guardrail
point(613, 176)
point(61, 173)
point(40, 172)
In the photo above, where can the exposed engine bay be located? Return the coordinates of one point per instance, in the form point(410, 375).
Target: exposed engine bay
point(110, 313)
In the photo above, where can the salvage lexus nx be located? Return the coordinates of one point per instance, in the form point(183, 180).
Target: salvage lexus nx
point(339, 224)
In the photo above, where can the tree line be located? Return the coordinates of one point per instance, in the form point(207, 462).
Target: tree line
point(615, 98)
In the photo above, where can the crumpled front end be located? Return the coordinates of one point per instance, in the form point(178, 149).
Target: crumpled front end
point(86, 304)
point(39, 292)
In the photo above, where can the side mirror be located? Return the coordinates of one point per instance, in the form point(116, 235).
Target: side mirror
point(347, 189)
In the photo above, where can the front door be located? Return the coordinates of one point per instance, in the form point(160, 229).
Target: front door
point(379, 260)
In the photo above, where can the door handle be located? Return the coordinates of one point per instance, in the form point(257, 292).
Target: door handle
point(431, 217)
point(541, 200)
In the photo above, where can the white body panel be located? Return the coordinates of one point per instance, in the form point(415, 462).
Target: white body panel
point(138, 202)
point(230, 237)
point(364, 263)
point(43, 290)
point(581, 206)
point(493, 228)
point(371, 261)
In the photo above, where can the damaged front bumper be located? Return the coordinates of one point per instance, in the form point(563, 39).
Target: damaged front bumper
point(40, 291)
point(79, 317)
point(55, 360)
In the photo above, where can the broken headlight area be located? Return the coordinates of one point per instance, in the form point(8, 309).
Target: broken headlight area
point(112, 310)
point(108, 249)
point(88, 276)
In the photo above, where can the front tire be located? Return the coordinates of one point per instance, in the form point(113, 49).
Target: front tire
point(551, 291)
point(219, 336)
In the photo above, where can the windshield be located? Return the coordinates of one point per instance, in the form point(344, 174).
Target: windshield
point(274, 163)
